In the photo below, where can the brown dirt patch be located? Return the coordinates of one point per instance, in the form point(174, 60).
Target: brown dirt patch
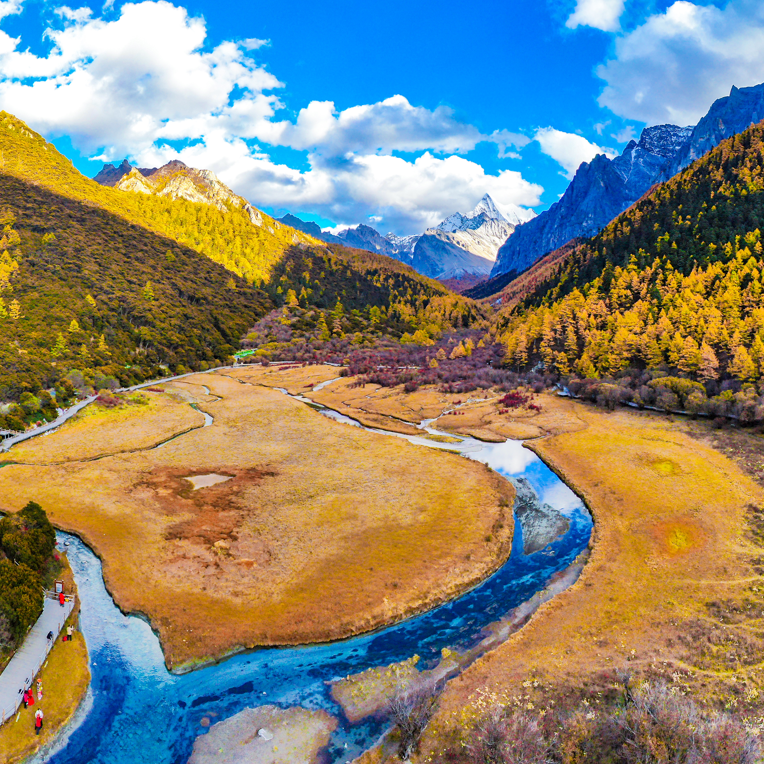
point(210, 514)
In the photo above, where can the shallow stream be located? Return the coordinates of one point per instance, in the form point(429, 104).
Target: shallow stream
point(138, 712)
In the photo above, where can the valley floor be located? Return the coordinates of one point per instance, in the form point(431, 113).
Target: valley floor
point(305, 529)
point(672, 588)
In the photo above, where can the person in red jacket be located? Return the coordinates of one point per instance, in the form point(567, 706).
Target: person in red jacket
point(38, 721)
point(61, 599)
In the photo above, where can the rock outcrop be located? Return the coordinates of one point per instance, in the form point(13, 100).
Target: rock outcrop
point(441, 255)
point(111, 175)
point(728, 116)
point(177, 180)
point(309, 227)
point(603, 188)
point(600, 191)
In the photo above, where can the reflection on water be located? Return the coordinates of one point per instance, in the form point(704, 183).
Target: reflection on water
point(205, 481)
point(140, 712)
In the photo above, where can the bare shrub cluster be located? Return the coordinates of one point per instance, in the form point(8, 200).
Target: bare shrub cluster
point(410, 711)
point(651, 725)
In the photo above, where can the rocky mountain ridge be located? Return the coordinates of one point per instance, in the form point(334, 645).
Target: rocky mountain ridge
point(462, 245)
point(177, 180)
point(603, 188)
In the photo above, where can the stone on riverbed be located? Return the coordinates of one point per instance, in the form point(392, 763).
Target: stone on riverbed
point(541, 523)
point(266, 735)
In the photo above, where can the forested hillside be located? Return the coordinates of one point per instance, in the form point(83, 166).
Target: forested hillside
point(82, 288)
point(27, 564)
point(674, 283)
point(361, 280)
point(122, 285)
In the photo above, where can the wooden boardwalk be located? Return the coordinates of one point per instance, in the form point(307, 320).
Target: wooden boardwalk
point(20, 673)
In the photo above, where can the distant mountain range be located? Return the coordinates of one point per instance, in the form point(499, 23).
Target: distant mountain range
point(603, 188)
point(483, 251)
point(461, 247)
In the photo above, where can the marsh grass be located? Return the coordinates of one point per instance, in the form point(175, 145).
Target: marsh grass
point(97, 431)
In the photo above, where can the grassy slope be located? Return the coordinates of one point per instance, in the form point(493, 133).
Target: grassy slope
point(227, 238)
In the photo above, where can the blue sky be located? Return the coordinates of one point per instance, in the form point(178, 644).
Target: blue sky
point(395, 114)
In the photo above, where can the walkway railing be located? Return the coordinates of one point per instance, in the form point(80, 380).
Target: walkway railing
point(29, 659)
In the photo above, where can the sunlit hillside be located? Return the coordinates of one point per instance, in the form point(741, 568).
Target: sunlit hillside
point(674, 282)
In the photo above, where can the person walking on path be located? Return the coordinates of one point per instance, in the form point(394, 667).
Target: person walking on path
point(69, 632)
point(61, 599)
point(38, 721)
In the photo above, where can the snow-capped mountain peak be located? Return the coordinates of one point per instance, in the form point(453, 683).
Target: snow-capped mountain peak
point(486, 206)
point(485, 210)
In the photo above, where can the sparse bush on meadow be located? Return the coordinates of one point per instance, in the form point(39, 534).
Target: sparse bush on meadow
point(410, 710)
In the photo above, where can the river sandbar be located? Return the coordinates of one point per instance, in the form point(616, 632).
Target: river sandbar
point(266, 735)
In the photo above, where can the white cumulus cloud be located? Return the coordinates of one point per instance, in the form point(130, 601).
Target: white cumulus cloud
point(123, 84)
point(599, 14)
point(392, 124)
point(406, 196)
point(147, 81)
point(568, 149)
point(674, 65)
point(10, 7)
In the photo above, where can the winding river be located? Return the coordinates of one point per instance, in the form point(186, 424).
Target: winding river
point(137, 711)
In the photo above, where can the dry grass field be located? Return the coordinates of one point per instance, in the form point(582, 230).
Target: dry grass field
point(323, 530)
point(673, 587)
point(97, 431)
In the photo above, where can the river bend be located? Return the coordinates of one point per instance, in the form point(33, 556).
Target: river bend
point(137, 711)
